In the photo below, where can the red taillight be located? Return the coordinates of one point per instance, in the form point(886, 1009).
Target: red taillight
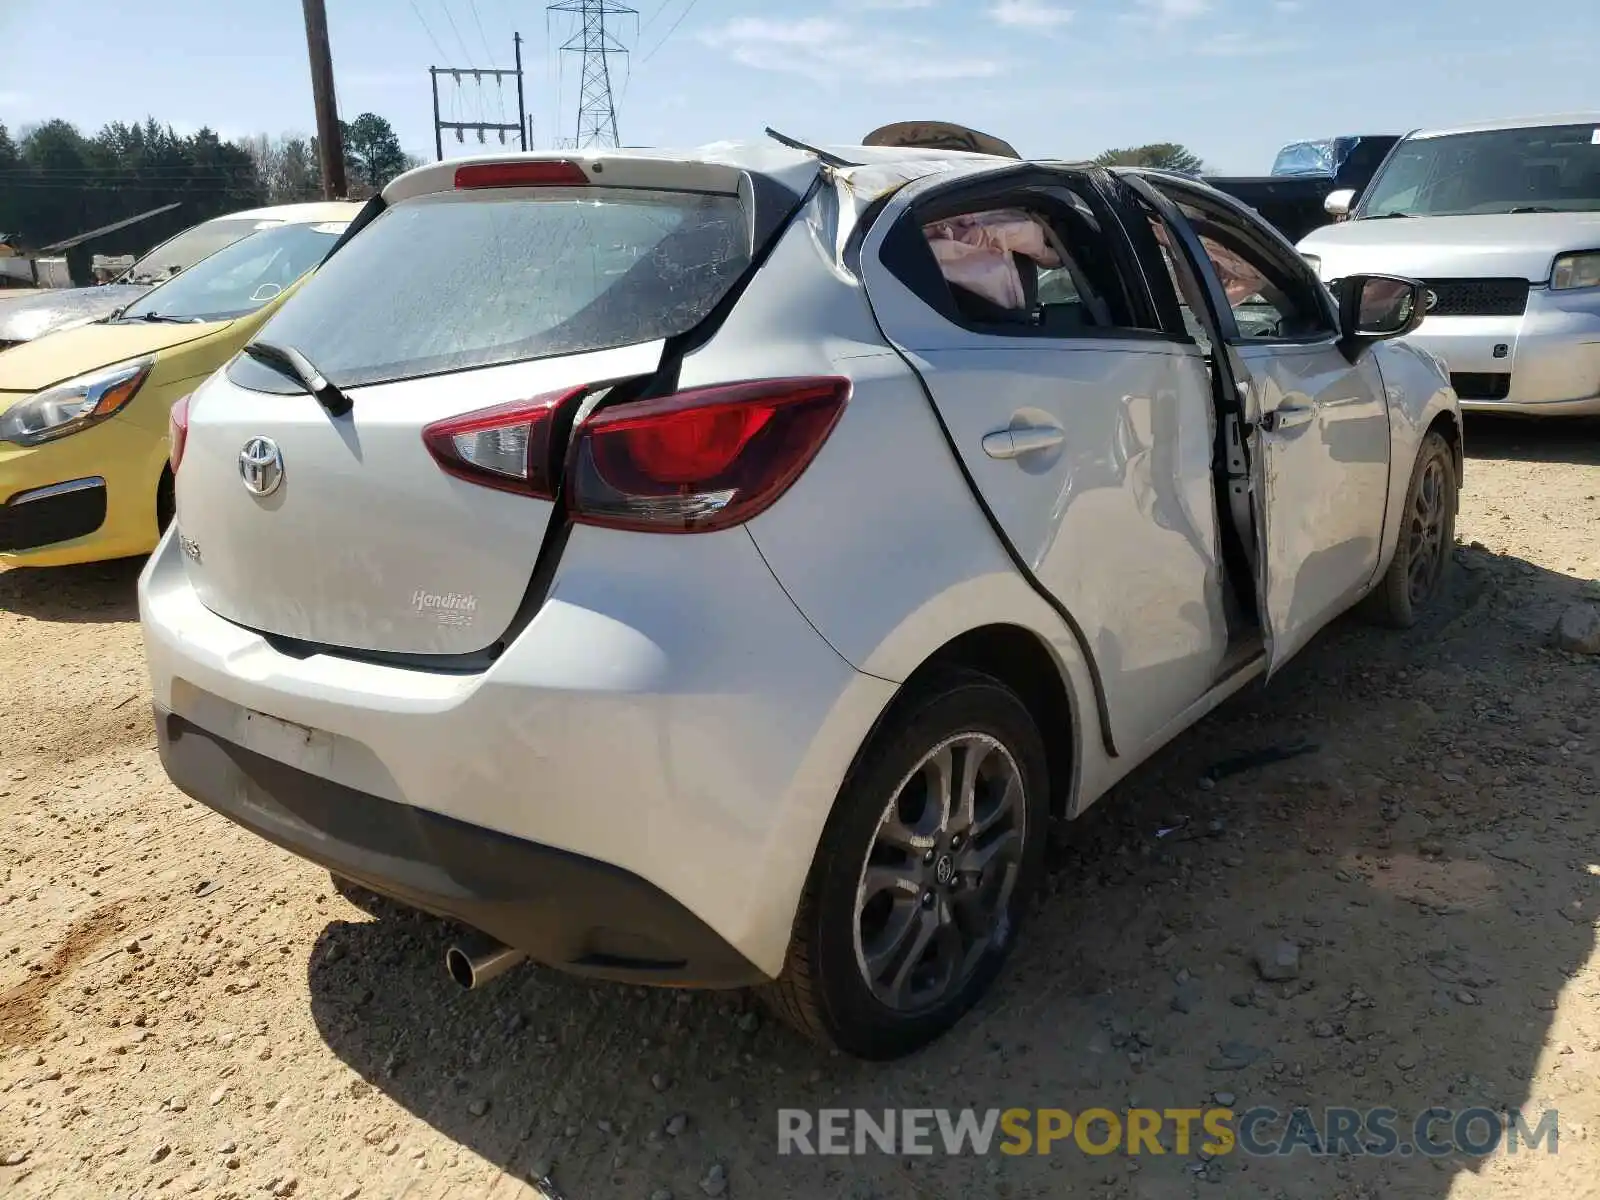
point(177, 432)
point(526, 173)
point(703, 459)
point(506, 447)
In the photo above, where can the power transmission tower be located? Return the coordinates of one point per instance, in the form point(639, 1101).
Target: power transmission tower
point(519, 127)
point(597, 111)
point(330, 139)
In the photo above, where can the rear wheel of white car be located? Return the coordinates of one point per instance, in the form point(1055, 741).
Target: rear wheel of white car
point(166, 504)
point(926, 868)
point(1427, 539)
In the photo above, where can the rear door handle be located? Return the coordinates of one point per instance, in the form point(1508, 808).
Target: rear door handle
point(1014, 443)
point(1288, 416)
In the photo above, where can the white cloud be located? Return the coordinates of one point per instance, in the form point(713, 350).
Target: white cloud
point(830, 49)
point(893, 5)
point(1030, 14)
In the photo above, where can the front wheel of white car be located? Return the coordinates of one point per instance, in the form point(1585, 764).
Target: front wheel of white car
point(926, 868)
point(1422, 558)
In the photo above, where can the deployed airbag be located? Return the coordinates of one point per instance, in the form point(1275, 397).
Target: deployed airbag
point(975, 251)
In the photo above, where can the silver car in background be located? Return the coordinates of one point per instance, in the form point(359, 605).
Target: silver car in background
point(1502, 221)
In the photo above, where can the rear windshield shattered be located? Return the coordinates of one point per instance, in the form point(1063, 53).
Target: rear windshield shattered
point(457, 280)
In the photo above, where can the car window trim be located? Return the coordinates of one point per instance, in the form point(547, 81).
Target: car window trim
point(1166, 297)
point(1217, 318)
point(1099, 193)
point(370, 212)
point(1233, 465)
point(1226, 211)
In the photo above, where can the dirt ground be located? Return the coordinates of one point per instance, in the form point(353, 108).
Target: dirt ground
point(186, 1010)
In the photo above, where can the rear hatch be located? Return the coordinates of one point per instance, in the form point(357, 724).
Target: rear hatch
point(349, 531)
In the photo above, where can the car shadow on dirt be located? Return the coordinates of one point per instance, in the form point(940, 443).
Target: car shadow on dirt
point(96, 592)
point(1412, 813)
point(1538, 440)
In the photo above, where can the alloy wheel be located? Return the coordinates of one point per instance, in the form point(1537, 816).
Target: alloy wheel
point(1425, 532)
point(935, 891)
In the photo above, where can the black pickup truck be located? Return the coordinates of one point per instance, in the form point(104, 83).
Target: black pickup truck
point(1304, 175)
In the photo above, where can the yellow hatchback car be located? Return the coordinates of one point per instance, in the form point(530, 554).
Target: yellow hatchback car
point(84, 412)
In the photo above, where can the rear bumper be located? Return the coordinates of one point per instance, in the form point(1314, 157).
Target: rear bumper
point(1546, 360)
point(563, 909)
point(668, 714)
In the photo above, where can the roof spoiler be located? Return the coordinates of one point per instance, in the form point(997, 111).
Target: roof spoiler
point(939, 135)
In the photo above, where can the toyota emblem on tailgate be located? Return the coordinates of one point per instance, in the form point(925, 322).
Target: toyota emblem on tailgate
point(261, 466)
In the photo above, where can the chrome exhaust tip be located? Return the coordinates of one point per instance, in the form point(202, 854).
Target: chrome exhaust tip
point(475, 964)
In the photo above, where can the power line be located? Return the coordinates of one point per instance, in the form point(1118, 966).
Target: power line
point(103, 172)
point(194, 187)
point(482, 37)
point(499, 84)
point(652, 18)
point(669, 33)
point(427, 29)
point(465, 53)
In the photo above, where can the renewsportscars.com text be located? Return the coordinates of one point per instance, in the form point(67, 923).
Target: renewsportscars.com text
point(1210, 1132)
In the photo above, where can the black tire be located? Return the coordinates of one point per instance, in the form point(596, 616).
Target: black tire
point(1426, 547)
point(166, 501)
point(824, 991)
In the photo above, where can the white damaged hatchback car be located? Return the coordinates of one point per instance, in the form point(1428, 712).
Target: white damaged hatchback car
point(719, 569)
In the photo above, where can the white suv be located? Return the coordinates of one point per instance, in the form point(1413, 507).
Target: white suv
point(718, 569)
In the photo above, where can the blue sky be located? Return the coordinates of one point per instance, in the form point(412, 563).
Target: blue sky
point(1233, 79)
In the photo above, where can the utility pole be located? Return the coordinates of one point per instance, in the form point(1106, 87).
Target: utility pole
point(522, 107)
point(330, 141)
point(438, 129)
point(597, 111)
point(518, 127)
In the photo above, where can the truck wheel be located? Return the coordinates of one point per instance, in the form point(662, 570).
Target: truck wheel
point(927, 866)
point(1422, 558)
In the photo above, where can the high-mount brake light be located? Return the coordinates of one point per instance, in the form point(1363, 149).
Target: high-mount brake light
point(700, 460)
point(177, 432)
point(507, 447)
point(544, 172)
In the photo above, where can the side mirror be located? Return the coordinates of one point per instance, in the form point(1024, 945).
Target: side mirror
point(1375, 308)
point(1339, 203)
